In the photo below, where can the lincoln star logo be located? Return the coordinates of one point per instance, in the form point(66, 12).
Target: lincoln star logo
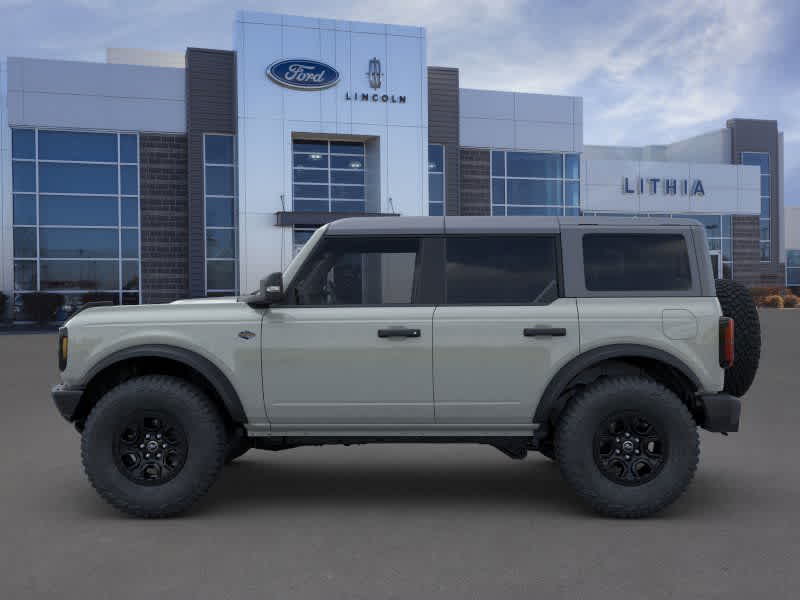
point(374, 74)
point(303, 74)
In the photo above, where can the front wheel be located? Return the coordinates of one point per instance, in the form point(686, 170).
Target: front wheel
point(153, 445)
point(628, 446)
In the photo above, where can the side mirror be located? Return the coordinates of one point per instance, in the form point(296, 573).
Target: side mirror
point(270, 291)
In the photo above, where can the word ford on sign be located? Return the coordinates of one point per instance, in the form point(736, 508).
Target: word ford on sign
point(669, 186)
point(303, 74)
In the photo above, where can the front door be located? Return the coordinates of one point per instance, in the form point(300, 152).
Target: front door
point(352, 346)
point(503, 330)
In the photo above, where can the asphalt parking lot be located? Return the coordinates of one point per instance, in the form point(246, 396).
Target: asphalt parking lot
point(401, 522)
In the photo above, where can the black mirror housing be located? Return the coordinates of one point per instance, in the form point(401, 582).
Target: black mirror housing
point(270, 291)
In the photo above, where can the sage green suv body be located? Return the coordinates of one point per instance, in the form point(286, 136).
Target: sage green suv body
point(462, 329)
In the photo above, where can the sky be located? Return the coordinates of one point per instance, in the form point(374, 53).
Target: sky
point(649, 72)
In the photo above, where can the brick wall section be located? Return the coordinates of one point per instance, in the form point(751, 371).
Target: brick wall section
point(475, 199)
point(443, 128)
point(163, 201)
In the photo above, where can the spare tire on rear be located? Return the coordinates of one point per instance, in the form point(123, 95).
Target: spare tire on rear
point(738, 304)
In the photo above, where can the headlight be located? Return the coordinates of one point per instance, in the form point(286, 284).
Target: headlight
point(63, 348)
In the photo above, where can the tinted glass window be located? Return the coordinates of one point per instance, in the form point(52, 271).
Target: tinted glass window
point(128, 150)
point(24, 209)
point(69, 178)
point(79, 275)
point(130, 212)
point(221, 274)
point(529, 164)
point(220, 243)
point(501, 270)
point(77, 210)
point(219, 149)
point(219, 212)
point(641, 262)
point(219, 181)
point(23, 176)
point(359, 271)
point(73, 145)
point(22, 143)
point(78, 243)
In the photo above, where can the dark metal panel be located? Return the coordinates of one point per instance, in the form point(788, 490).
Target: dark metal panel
point(210, 108)
point(443, 128)
point(475, 182)
point(316, 218)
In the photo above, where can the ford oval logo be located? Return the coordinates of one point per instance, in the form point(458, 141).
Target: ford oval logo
point(303, 74)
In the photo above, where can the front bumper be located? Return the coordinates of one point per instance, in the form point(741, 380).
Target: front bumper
point(720, 412)
point(67, 400)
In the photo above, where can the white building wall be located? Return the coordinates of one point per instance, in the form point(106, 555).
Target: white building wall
point(82, 95)
point(269, 115)
point(729, 189)
point(519, 121)
point(146, 58)
point(712, 147)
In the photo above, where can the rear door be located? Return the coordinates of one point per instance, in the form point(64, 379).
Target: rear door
point(503, 329)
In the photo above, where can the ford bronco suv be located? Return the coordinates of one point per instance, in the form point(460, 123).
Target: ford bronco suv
point(602, 343)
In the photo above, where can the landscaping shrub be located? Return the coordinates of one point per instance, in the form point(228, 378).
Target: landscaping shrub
point(41, 306)
point(773, 301)
point(790, 301)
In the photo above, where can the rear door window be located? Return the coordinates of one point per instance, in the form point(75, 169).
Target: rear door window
point(501, 270)
point(636, 262)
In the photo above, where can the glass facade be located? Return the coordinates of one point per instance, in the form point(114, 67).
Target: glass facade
point(327, 176)
point(718, 232)
point(761, 160)
point(221, 225)
point(75, 217)
point(535, 183)
point(793, 267)
point(435, 180)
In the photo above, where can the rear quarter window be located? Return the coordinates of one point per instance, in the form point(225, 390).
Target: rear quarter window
point(636, 262)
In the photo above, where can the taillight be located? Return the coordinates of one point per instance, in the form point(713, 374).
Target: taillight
point(63, 348)
point(726, 342)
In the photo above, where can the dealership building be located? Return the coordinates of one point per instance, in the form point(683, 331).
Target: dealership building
point(156, 176)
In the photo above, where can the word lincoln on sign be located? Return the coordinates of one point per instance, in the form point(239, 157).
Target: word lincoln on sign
point(668, 186)
point(392, 99)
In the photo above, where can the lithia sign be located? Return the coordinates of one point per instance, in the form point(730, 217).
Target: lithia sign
point(667, 186)
point(306, 74)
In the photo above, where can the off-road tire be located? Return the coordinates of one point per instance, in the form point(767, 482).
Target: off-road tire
point(737, 303)
point(575, 450)
point(205, 442)
point(238, 444)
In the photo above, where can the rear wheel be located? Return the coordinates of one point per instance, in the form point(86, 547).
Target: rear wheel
point(153, 445)
point(628, 446)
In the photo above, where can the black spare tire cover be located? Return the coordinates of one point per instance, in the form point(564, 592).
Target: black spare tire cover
point(738, 304)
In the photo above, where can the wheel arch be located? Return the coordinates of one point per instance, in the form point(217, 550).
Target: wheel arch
point(615, 359)
point(164, 359)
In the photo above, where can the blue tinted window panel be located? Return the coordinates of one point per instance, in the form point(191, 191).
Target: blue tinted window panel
point(130, 243)
point(23, 143)
point(78, 243)
point(130, 274)
point(347, 192)
point(498, 210)
point(765, 185)
point(435, 209)
point(498, 163)
point(714, 244)
point(301, 236)
point(219, 181)
point(128, 148)
point(77, 210)
point(726, 226)
point(352, 177)
point(435, 158)
point(25, 242)
point(311, 205)
point(793, 258)
point(78, 146)
point(347, 162)
point(792, 277)
point(347, 148)
point(130, 212)
point(220, 243)
point(24, 209)
point(129, 175)
point(759, 159)
point(498, 191)
point(310, 146)
point(311, 175)
point(765, 251)
point(765, 207)
point(128, 298)
point(572, 166)
point(532, 164)
point(79, 275)
point(712, 223)
point(763, 229)
point(219, 149)
point(315, 161)
point(77, 179)
point(572, 211)
point(436, 187)
point(525, 191)
point(548, 211)
point(219, 212)
point(348, 206)
point(23, 176)
point(220, 275)
point(25, 275)
point(572, 191)
point(310, 191)
point(727, 249)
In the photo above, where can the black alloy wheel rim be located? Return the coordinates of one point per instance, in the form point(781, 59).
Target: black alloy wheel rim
point(629, 449)
point(150, 448)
